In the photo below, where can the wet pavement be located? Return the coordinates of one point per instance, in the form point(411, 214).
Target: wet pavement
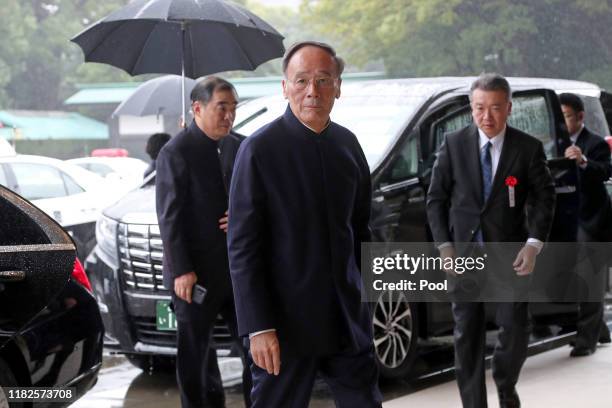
point(121, 385)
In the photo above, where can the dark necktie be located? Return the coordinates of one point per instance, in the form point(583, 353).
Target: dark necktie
point(487, 179)
point(487, 170)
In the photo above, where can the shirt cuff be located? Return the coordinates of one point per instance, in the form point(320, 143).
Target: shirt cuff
point(251, 335)
point(445, 245)
point(536, 243)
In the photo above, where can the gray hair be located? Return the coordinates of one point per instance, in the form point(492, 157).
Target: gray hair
point(301, 44)
point(204, 90)
point(491, 82)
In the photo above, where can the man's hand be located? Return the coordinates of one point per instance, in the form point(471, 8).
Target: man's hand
point(266, 352)
point(448, 252)
point(223, 223)
point(183, 285)
point(574, 153)
point(525, 260)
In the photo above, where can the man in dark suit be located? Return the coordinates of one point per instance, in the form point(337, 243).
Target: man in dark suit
point(299, 211)
point(193, 175)
point(592, 155)
point(470, 200)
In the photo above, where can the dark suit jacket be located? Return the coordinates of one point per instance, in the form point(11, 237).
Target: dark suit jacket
point(595, 213)
point(299, 210)
point(455, 207)
point(191, 197)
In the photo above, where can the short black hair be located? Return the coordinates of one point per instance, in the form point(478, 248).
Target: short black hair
point(573, 101)
point(203, 91)
point(155, 143)
point(326, 47)
point(491, 81)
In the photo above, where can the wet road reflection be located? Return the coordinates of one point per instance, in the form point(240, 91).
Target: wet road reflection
point(121, 385)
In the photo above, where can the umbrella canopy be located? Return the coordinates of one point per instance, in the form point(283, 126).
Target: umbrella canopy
point(159, 96)
point(166, 36)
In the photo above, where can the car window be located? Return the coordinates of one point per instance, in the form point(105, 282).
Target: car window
point(37, 181)
point(451, 123)
point(71, 186)
point(406, 165)
point(100, 169)
point(529, 114)
point(594, 116)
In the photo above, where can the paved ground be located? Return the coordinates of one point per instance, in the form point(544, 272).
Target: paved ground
point(550, 379)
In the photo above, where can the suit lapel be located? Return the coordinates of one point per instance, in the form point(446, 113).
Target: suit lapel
point(581, 139)
point(509, 153)
point(471, 151)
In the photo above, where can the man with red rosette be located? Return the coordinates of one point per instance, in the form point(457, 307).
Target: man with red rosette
point(490, 183)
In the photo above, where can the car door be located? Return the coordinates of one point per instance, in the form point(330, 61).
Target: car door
point(36, 260)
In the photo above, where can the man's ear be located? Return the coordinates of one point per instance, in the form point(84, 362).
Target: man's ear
point(338, 92)
point(284, 85)
point(510, 108)
point(580, 116)
point(196, 108)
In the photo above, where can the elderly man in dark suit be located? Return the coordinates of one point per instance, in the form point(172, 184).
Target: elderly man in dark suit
point(193, 175)
point(299, 211)
point(592, 155)
point(470, 200)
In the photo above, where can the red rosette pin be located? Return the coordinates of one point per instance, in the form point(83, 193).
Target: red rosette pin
point(511, 181)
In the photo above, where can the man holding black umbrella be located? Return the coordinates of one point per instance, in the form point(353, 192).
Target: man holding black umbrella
point(193, 174)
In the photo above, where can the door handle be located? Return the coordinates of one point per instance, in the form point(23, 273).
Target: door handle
point(12, 276)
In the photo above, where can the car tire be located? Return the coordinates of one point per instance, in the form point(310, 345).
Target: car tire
point(151, 363)
point(396, 335)
point(7, 379)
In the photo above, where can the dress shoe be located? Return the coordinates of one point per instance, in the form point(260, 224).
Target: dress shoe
point(581, 351)
point(604, 337)
point(509, 399)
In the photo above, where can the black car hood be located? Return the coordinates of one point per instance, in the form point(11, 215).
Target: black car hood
point(138, 201)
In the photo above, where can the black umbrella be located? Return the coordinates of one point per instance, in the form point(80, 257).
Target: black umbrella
point(190, 38)
point(159, 96)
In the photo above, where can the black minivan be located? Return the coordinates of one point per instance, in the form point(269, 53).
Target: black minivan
point(400, 124)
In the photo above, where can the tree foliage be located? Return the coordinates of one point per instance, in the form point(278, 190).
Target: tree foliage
point(38, 64)
point(550, 38)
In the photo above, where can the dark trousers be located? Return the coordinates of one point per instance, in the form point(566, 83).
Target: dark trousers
point(352, 378)
point(197, 371)
point(591, 326)
point(509, 354)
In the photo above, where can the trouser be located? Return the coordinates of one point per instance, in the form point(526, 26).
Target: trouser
point(351, 376)
point(590, 325)
point(198, 377)
point(470, 341)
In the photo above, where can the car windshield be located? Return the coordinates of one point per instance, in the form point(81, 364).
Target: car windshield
point(376, 112)
point(86, 179)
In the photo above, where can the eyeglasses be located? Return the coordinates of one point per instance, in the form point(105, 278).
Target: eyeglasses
point(320, 82)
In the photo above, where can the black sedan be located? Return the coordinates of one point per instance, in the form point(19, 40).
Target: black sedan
point(50, 326)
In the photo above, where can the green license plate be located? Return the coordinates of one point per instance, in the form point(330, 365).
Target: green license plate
point(166, 320)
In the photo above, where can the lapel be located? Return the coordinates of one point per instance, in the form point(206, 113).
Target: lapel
point(471, 152)
point(509, 152)
point(581, 139)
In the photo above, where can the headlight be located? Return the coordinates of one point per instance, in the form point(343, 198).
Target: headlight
point(106, 235)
